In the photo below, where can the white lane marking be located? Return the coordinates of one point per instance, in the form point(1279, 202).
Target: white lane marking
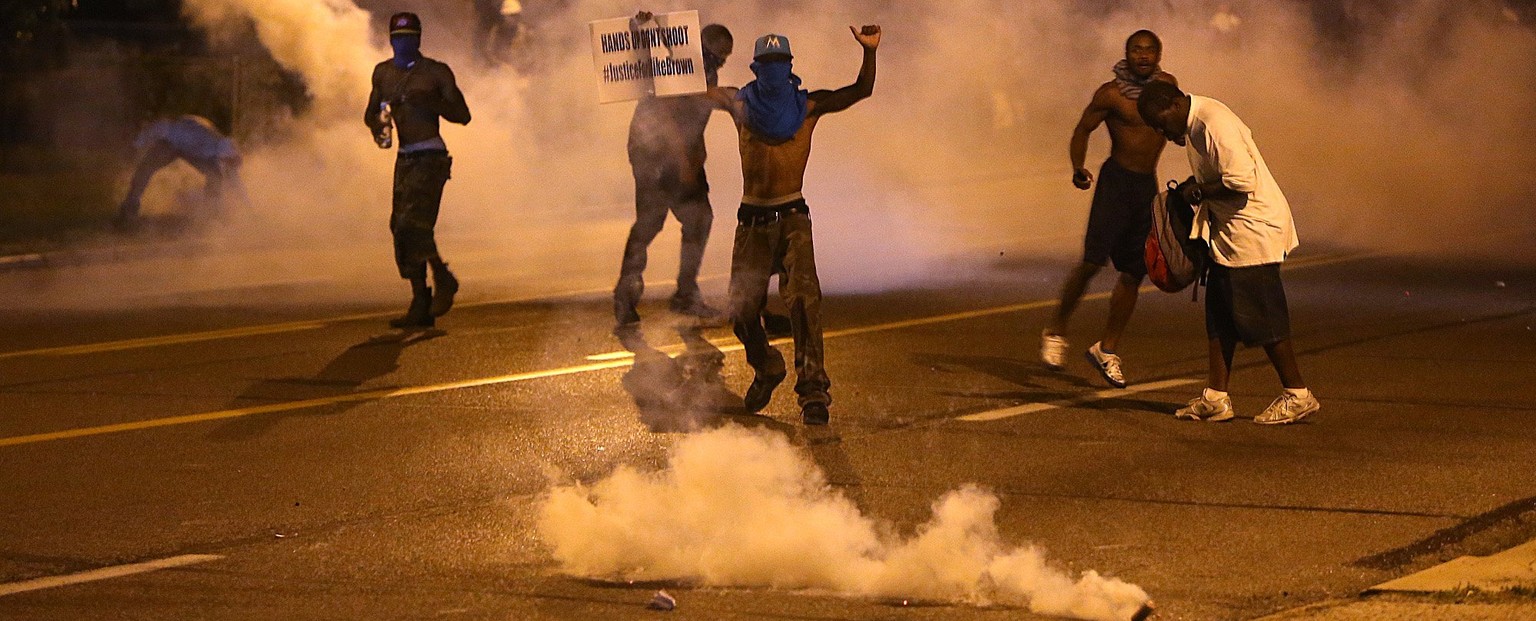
point(105, 573)
point(1030, 408)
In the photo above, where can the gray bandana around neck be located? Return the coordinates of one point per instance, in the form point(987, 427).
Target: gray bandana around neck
point(1130, 84)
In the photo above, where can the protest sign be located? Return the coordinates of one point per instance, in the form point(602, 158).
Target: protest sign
point(662, 56)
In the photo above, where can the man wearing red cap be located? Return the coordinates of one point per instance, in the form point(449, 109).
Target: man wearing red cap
point(412, 92)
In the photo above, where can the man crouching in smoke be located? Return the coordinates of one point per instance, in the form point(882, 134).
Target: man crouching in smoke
point(774, 120)
point(412, 92)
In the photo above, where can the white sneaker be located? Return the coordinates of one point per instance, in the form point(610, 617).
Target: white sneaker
point(1200, 408)
point(1053, 351)
point(1107, 364)
point(1288, 408)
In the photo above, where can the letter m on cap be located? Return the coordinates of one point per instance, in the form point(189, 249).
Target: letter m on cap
point(773, 41)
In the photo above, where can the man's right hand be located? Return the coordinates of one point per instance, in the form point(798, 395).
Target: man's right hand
point(1082, 179)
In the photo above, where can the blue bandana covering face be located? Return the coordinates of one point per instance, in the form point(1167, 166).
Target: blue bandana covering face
point(775, 103)
point(407, 50)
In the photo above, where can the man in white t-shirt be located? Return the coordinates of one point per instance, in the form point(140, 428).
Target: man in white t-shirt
point(190, 138)
point(1241, 212)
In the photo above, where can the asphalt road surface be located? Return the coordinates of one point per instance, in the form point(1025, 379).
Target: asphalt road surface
point(272, 462)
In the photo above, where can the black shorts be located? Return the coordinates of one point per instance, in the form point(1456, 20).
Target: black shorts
point(1246, 304)
point(1120, 218)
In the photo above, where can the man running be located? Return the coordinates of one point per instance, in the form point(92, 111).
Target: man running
point(194, 140)
point(666, 153)
point(774, 122)
point(1121, 214)
point(1248, 223)
point(415, 91)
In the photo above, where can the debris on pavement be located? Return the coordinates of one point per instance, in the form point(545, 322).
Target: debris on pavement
point(662, 601)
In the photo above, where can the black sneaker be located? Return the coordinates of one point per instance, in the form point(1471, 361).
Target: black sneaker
point(761, 392)
point(815, 414)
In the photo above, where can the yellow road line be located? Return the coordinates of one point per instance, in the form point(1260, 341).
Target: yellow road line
point(105, 573)
point(287, 406)
point(174, 339)
point(730, 344)
point(276, 328)
point(723, 346)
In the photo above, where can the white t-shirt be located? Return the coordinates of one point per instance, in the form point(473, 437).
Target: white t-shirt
point(1253, 229)
point(191, 137)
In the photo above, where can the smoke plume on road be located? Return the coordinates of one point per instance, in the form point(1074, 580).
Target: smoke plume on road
point(740, 507)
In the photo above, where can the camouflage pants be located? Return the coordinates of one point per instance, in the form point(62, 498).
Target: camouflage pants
point(780, 244)
point(419, 181)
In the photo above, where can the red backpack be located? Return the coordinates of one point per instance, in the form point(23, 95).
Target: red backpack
point(1174, 261)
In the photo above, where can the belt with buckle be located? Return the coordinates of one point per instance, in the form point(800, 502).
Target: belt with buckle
point(759, 215)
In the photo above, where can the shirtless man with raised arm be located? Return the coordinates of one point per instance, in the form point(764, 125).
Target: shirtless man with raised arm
point(1121, 214)
point(774, 120)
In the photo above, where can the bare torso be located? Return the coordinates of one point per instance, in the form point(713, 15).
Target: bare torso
point(768, 169)
point(1132, 143)
point(771, 169)
point(418, 97)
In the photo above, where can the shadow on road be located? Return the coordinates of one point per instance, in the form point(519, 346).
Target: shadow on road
point(357, 365)
point(685, 393)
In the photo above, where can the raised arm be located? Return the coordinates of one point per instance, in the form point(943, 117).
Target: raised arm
point(828, 102)
point(1094, 115)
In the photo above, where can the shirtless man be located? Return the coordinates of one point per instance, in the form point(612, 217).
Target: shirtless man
point(666, 154)
point(1121, 214)
point(418, 90)
point(774, 122)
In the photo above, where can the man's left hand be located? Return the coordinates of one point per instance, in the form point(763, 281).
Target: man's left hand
point(868, 36)
point(1190, 191)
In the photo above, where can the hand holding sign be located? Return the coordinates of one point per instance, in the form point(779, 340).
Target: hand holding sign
point(648, 54)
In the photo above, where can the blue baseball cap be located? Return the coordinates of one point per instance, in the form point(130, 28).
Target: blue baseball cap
point(771, 44)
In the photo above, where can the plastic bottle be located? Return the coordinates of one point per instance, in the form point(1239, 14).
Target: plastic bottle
point(386, 136)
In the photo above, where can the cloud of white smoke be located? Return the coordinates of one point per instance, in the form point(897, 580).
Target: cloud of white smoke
point(740, 507)
point(1415, 140)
